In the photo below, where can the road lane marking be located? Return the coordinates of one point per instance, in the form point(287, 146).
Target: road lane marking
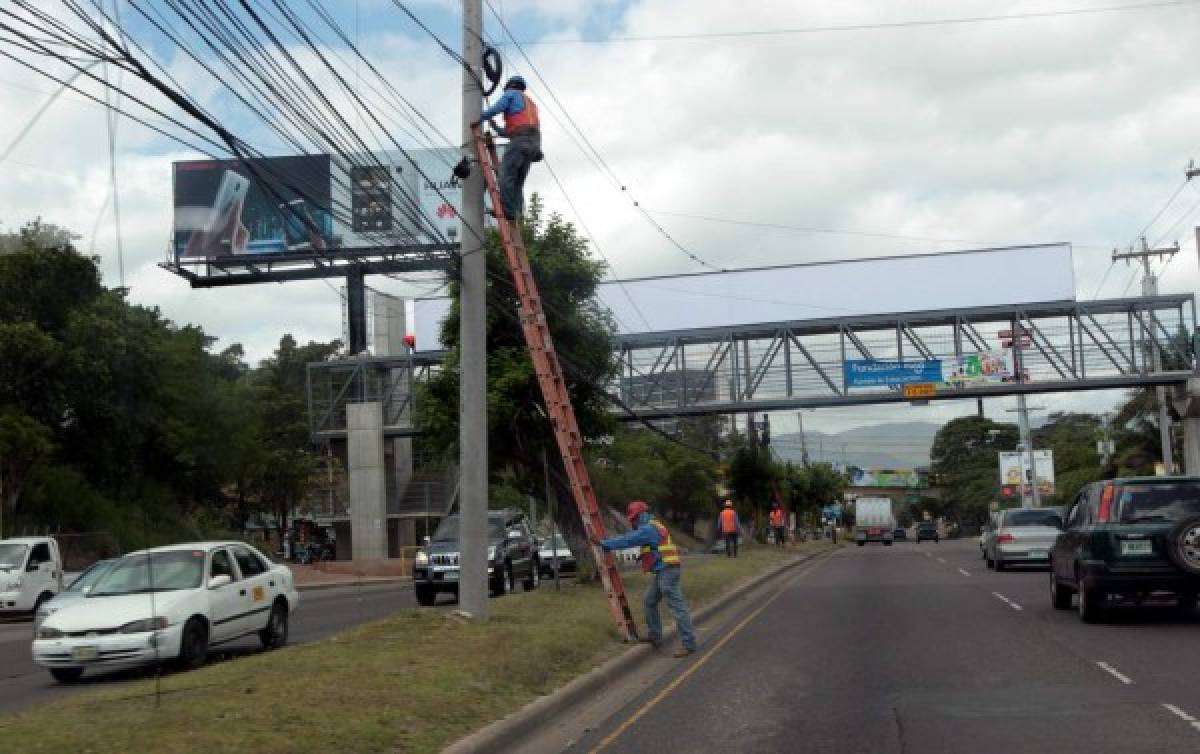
point(1115, 673)
point(1179, 713)
point(1007, 601)
point(963, 572)
point(941, 560)
point(700, 662)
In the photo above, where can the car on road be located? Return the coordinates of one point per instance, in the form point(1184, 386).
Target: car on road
point(169, 603)
point(512, 554)
point(1023, 536)
point(31, 573)
point(899, 534)
point(552, 548)
point(926, 530)
point(78, 589)
point(1129, 540)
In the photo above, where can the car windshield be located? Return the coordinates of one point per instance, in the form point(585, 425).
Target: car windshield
point(12, 556)
point(556, 541)
point(89, 577)
point(157, 572)
point(1032, 518)
point(1158, 502)
point(926, 525)
point(447, 530)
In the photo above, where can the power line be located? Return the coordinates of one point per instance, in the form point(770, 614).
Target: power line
point(877, 26)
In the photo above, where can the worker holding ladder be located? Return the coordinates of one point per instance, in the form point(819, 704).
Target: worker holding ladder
point(524, 132)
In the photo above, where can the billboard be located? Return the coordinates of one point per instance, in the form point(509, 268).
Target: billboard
point(1015, 476)
point(270, 205)
point(909, 478)
point(881, 373)
point(987, 368)
point(411, 196)
point(824, 290)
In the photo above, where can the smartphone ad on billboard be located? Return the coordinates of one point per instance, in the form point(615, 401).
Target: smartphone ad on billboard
point(273, 205)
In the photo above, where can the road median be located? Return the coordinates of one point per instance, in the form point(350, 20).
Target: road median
point(416, 681)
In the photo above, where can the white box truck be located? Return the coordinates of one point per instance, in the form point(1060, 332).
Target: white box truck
point(873, 520)
point(31, 572)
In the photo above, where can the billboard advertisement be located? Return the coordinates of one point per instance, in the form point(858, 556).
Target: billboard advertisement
point(882, 373)
point(909, 478)
point(411, 196)
point(986, 368)
point(271, 205)
point(1015, 476)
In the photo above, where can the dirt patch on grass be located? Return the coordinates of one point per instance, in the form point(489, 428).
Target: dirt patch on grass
point(413, 682)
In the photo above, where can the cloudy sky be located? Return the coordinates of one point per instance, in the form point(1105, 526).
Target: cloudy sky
point(901, 139)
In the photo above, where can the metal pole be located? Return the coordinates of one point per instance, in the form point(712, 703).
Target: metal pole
point(1150, 288)
point(553, 519)
point(1018, 332)
point(356, 311)
point(472, 425)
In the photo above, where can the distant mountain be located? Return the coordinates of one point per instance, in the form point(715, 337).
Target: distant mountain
point(897, 445)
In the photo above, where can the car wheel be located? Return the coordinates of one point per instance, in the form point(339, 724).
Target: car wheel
point(66, 675)
point(862, 544)
point(1090, 604)
point(193, 645)
point(1186, 602)
point(426, 596)
point(275, 635)
point(535, 577)
point(504, 582)
point(990, 563)
point(1183, 545)
point(887, 543)
point(1059, 597)
point(999, 564)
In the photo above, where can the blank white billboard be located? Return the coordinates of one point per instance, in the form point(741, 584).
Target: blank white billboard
point(826, 290)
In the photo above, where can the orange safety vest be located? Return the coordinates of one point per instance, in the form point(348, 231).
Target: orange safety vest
point(527, 118)
point(728, 520)
point(777, 518)
point(665, 547)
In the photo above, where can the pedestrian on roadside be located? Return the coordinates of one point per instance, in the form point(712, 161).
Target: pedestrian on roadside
point(778, 527)
point(729, 526)
point(660, 559)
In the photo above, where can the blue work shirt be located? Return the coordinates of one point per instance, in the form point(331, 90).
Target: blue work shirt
point(645, 535)
point(510, 103)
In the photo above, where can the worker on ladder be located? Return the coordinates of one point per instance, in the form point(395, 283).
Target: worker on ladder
point(524, 133)
point(660, 559)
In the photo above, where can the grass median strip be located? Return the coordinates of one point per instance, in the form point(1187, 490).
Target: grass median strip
point(413, 682)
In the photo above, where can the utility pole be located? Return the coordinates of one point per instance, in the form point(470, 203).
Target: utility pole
point(1150, 288)
point(1035, 501)
point(803, 444)
point(472, 421)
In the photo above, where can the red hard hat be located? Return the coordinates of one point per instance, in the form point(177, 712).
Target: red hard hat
point(635, 509)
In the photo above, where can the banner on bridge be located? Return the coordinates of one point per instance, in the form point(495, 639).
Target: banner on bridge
point(881, 373)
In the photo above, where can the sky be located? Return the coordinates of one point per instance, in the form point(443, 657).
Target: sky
point(865, 142)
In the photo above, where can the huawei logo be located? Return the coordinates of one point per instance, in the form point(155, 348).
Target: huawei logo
point(445, 210)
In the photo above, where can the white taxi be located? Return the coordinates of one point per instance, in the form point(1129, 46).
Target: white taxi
point(169, 603)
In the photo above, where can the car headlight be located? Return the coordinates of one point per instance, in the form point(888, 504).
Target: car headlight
point(49, 633)
point(422, 558)
point(491, 552)
point(142, 626)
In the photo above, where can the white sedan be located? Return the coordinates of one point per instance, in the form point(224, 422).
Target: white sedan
point(169, 603)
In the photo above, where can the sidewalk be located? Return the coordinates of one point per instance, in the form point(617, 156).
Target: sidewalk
point(350, 573)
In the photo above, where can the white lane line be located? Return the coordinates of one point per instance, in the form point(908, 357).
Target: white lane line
point(1179, 713)
point(1114, 673)
point(1007, 601)
point(941, 560)
point(963, 572)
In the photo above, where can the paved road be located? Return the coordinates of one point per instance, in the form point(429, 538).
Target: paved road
point(919, 648)
point(321, 613)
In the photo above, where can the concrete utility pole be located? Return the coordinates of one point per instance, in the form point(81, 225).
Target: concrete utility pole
point(803, 444)
point(472, 416)
point(1035, 501)
point(1150, 288)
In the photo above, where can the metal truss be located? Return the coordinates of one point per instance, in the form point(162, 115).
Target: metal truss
point(338, 262)
point(1091, 345)
point(332, 385)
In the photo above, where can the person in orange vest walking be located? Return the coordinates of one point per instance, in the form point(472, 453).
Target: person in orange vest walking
point(778, 524)
point(729, 526)
point(524, 132)
point(660, 558)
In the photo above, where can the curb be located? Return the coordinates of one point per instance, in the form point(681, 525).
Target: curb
point(503, 734)
point(357, 582)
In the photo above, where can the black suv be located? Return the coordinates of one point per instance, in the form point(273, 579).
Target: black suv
point(512, 555)
point(927, 530)
point(1129, 539)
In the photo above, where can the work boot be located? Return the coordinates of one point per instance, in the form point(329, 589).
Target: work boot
point(683, 652)
point(654, 641)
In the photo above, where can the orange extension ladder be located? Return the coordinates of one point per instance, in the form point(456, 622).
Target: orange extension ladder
point(554, 392)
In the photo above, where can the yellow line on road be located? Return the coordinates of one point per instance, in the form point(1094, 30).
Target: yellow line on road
point(700, 663)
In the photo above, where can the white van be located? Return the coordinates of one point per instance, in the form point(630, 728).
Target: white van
point(873, 520)
point(30, 573)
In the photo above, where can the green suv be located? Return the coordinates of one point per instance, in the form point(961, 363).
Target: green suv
point(1129, 540)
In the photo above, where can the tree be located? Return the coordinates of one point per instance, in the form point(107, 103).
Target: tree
point(518, 431)
point(23, 442)
point(965, 461)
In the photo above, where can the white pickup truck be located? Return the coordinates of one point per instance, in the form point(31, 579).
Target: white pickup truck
point(873, 520)
point(31, 572)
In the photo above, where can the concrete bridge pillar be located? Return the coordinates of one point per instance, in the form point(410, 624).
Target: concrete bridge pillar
point(1188, 407)
point(368, 483)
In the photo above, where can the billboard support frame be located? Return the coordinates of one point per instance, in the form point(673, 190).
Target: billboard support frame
point(338, 262)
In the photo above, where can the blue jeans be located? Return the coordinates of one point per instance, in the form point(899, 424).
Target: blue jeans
point(666, 584)
point(522, 150)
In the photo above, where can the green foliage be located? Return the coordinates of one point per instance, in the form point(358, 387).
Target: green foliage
point(965, 463)
point(676, 481)
point(812, 488)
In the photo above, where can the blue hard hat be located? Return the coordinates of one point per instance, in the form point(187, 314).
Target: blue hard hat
point(515, 82)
